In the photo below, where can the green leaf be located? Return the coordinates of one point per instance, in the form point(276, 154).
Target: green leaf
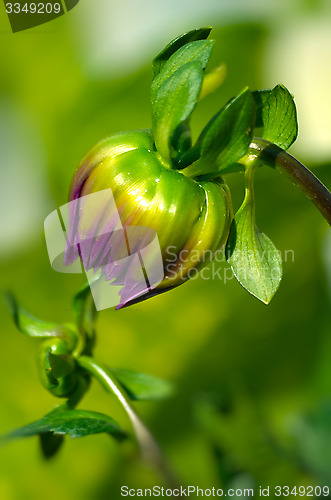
point(177, 43)
point(174, 102)
point(199, 51)
point(74, 423)
point(142, 387)
point(227, 136)
point(181, 140)
point(254, 259)
point(260, 97)
point(31, 326)
point(279, 118)
point(50, 443)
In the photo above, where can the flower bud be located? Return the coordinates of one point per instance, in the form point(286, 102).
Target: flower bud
point(58, 369)
point(190, 217)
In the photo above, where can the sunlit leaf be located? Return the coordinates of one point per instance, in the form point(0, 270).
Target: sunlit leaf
point(177, 43)
point(174, 102)
point(254, 259)
point(227, 136)
point(199, 51)
point(260, 97)
point(279, 117)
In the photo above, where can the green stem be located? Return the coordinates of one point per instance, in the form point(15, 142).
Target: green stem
point(275, 157)
point(249, 188)
point(81, 341)
point(148, 446)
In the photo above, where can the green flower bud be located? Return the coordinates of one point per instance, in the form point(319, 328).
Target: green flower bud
point(58, 370)
point(191, 217)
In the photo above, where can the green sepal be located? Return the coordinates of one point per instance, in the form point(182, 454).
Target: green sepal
point(278, 116)
point(227, 136)
point(142, 387)
point(174, 102)
point(36, 328)
point(181, 40)
point(254, 259)
point(199, 51)
point(74, 423)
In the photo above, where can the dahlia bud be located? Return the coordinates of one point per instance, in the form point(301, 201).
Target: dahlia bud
point(162, 196)
point(191, 218)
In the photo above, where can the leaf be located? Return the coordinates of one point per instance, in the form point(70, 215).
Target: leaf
point(227, 136)
point(50, 443)
point(31, 326)
point(181, 140)
point(142, 387)
point(260, 97)
point(174, 102)
point(279, 118)
point(199, 51)
point(254, 259)
point(74, 423)
point(160, 60)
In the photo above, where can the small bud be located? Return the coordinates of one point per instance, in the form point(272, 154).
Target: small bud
point(58, 370)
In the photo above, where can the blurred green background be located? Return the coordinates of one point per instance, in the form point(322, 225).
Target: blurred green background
point(253, 400)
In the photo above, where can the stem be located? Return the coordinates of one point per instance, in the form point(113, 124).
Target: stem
point(81, 341)
point(84, 312)
point(276, 157)
point(148, 446)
